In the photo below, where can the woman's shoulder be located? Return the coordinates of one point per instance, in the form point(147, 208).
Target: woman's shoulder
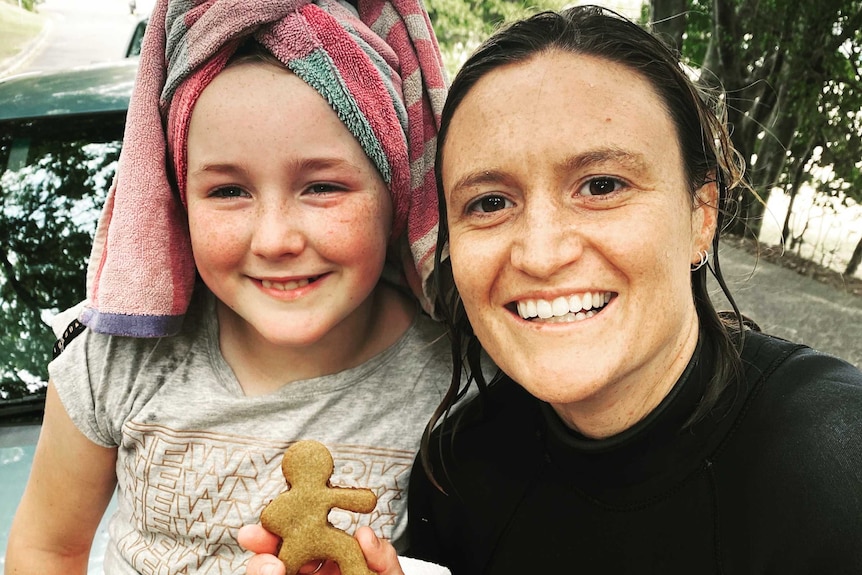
point(788, 370)
point(497, 426)
point(793, 460)
point(803, 406)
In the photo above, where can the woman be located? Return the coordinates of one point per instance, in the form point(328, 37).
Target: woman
point(633, 428)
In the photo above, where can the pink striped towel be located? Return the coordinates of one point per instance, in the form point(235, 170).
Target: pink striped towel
point(378, 65)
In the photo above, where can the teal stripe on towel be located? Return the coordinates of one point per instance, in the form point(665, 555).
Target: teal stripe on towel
point(319, 71)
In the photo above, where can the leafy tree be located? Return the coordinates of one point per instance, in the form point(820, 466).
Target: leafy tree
point(461, 25)
point(791, 73)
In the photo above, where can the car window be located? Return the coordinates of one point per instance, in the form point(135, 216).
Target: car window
point(134, 48)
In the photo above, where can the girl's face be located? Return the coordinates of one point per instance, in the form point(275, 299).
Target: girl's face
point(289, 220)
point(571, 235)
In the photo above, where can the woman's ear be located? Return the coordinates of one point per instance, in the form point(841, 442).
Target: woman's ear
point(705, 216)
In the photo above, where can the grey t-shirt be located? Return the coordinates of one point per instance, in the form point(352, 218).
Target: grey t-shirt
point(197, 459)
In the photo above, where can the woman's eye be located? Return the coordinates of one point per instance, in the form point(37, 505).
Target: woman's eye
point(601, 186)
point(489, 204)
point(229, 192)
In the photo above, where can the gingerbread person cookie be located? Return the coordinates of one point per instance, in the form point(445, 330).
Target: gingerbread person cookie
point(300, 515)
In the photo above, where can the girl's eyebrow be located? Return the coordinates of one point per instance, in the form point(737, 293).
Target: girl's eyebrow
point(322, 163)
point(305, 164)
point(219, 168)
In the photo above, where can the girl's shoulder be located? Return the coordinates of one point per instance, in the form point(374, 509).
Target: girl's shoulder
point(103, 379)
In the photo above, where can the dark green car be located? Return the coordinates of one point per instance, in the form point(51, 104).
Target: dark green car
point(60, 138)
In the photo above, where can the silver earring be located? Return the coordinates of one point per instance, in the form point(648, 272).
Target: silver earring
point(704, 257)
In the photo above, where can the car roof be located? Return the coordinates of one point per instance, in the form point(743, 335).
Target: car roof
point(82, 90)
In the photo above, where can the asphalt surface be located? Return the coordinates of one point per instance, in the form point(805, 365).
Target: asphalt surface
point(789, 305)
point(77, 33)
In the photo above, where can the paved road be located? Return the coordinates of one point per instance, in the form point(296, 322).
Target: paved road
point(789, 305)
point(82, 32)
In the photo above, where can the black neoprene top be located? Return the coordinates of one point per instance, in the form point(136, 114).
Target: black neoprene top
point(770, 483)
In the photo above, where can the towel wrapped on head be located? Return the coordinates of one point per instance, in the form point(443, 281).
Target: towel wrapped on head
point(379, 67)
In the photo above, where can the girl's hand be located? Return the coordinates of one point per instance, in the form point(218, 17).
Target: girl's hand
point(264, 545)
point(379, 554)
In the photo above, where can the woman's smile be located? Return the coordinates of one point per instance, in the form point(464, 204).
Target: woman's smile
point(564, 309)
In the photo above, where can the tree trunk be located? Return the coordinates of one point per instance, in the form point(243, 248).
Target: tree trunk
point(669, 19)
point(855, 260)
point(793, 189)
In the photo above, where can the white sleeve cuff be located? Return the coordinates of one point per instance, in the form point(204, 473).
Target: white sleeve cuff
point(412, 566)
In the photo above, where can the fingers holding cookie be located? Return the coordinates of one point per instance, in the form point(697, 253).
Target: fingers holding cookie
point(299, 516)
point(264, 545)
point(379, 553)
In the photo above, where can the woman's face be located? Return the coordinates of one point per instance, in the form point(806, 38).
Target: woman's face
point(572, 231)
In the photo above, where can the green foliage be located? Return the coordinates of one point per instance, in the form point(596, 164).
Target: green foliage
point(791, 73)
point(461, 25)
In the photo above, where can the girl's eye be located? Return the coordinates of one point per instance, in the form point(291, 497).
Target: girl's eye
point(601, 186)
point(489, 204)
point(322, 189)
point(229, 192)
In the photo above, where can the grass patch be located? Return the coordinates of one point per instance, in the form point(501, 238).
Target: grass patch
point(17, 27)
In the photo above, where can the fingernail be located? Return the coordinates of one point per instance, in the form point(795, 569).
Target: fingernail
point(267, 569)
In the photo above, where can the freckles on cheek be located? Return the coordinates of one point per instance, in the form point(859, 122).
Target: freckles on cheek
point(468, 276)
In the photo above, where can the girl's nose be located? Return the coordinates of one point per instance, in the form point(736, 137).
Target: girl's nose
point(278, 232)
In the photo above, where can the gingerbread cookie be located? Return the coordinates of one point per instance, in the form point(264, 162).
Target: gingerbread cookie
point(300, 515)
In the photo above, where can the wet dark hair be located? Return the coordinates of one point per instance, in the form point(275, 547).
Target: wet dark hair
point(708, 156)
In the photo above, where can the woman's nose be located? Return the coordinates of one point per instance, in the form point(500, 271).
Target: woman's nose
point(546, 241)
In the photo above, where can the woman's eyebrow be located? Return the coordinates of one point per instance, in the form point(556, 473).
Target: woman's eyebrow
point(633, 160)
point(598, 156)
point(479, 177)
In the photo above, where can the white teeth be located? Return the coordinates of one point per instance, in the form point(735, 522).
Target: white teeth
point(575, 307)
point(286, 286)
point(560, 306)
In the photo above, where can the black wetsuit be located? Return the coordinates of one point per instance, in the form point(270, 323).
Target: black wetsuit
point(771, 484)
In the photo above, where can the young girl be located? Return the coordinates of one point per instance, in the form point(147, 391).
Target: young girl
point(240, 307)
